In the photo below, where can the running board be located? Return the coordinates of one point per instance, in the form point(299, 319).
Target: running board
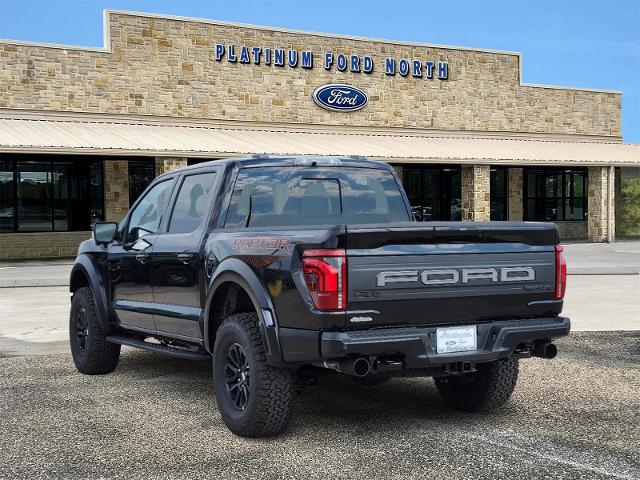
point(157, 348)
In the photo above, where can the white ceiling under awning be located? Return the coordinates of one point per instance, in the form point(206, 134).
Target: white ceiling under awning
point(122, 137)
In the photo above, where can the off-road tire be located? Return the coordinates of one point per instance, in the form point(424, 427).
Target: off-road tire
point(483, 391)
point(271, 390)
point(94, 355)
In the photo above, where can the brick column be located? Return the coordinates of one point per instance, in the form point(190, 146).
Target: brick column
point(515, 188)
point(166, 164)
point(601, 201)
point(116, 189)
point(475, 193)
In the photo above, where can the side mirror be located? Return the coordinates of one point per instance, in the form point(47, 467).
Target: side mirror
point(104, 232)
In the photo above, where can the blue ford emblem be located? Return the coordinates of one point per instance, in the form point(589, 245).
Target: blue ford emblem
point(450, 343)
point(340, 98)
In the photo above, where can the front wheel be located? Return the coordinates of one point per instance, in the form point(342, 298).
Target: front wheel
point(254, 399)
point(91, 352)
point(483, 391)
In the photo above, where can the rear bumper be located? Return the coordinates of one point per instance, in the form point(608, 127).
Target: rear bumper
point(417, 346)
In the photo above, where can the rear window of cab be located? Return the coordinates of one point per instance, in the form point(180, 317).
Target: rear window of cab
point(292, 196)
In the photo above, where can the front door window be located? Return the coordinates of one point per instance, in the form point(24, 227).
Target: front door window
point(147, 215)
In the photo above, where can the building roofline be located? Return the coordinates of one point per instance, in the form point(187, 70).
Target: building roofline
point(106, 48)
point(170, 121)
point(303, 32)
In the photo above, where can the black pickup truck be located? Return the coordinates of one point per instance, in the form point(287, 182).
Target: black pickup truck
point(279, 268)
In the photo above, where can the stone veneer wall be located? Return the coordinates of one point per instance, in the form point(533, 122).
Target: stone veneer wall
point(598, 222)
point(166, 164)
point(167, 67)
point(475, 193)
point(515, 188)
point(116, 189)
point(572, 230)
point(14, 246)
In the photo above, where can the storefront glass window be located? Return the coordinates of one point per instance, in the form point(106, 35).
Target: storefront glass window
point(41, 193)
point(96, 190)
point(7, 200)
point(433, 192)
point(555, 194)
point(141, 174)
point(35, 211)
point(197, 160)
point(498, 189)
point(61, 186)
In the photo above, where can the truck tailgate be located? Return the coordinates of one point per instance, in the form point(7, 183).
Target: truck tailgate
point(444, 273)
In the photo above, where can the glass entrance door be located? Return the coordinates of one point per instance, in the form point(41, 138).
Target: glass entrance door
point(433, 192)
point(71, 205)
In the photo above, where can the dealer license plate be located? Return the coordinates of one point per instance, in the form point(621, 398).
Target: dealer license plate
point(456, 339)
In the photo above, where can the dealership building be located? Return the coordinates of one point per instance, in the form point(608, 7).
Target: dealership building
point(84, 130)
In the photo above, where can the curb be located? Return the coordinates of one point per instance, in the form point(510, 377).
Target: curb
point(22, 283)
point(604, 271)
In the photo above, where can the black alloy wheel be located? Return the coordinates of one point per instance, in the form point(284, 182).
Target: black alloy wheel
point(92, 354)
point(82, 329)
point(237, 376)
point(254, 398)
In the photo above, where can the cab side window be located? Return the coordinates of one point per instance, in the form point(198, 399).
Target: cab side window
point(146, 216)
point(190, 210)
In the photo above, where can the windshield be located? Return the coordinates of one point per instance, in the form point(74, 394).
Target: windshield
point(274, 197)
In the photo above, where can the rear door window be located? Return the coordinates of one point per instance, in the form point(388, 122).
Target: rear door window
point(273, 197)
point(192, 202)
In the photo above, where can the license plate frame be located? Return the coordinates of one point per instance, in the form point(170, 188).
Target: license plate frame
point(457, 339)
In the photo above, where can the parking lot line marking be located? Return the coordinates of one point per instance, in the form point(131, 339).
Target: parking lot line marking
point(578, 465)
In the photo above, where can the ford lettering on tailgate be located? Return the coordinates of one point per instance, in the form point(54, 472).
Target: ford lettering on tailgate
point(451, 276)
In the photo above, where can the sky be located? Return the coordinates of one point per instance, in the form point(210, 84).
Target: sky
point(577, 43)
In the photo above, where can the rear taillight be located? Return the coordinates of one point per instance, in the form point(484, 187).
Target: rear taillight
point(561, 273)
point(325, 273)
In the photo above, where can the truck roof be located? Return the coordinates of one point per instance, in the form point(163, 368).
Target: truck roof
point(263, 160)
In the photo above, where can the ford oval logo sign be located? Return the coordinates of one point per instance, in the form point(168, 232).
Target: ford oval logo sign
point(340, 98)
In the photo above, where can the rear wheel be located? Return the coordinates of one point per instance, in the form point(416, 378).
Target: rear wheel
point(483, 391)
point(91, 352)
point(254, 399)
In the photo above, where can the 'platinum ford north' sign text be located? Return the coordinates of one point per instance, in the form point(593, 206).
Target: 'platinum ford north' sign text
point(280, 57)
point(340, 98)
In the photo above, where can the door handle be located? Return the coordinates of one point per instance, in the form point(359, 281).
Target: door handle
point(186, 257)
point(142, 257)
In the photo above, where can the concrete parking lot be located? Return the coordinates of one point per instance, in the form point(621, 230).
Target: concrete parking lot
point(154, 417)
point(577, 416)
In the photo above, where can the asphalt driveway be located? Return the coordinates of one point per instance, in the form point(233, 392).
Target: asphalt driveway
point(575, 417)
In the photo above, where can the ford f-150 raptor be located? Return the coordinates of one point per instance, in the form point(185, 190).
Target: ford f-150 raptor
point(279, 267)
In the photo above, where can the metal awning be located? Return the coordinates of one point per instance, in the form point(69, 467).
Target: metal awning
point(76, 135)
